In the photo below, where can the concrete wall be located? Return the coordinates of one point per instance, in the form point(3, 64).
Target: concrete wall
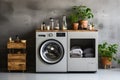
point(22, 17)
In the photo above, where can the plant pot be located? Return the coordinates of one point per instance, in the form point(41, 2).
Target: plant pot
point(75, 26)
point(84, 24)
point(106, 61)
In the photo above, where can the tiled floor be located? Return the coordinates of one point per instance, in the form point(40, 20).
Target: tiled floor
point(102, 74)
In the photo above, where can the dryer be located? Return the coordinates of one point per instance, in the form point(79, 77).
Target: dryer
point(51, 55)
point(82, 51)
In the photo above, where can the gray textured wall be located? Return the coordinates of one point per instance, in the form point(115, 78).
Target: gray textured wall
point(22, 17)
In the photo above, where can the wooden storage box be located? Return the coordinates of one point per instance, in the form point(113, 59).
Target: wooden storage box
point(16, 45)
point(17, 55)
point(16, 62)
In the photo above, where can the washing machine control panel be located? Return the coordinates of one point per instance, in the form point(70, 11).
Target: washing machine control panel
point(60, 34)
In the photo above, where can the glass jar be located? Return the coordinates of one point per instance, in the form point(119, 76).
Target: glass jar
point(51, 23)
point(56, 27)
point(64, 23)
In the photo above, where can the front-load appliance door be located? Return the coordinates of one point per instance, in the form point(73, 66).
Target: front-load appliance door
point(82, 51)
point(51, 51)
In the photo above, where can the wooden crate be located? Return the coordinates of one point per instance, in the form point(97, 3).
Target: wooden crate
point(16, 66)
point(17, 62)
point(16, 45)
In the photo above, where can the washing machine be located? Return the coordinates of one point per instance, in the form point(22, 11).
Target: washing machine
point(51, 55)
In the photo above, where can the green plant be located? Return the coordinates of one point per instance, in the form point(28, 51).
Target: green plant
point(73, 18)
point(83, 12)
point(107, 50)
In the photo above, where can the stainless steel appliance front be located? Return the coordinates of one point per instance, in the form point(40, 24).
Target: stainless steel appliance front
point(82, 51)
point(51, 51)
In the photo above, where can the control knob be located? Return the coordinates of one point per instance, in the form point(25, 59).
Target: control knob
point(50, 35)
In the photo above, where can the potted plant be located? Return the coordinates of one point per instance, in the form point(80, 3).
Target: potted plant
point(84, 13)
point(107, 53)
point(74, 18)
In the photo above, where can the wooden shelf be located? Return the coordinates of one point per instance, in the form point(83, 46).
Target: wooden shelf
point(82, 30)
point(51, 30)
point(16, 58)
point(66, 30)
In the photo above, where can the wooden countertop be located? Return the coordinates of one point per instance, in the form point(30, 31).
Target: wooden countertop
point(66, 30)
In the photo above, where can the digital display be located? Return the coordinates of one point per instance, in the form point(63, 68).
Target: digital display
point(60, 34)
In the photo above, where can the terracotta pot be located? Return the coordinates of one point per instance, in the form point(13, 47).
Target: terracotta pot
point(106, 61)
point(75, 26)
point(84, 24)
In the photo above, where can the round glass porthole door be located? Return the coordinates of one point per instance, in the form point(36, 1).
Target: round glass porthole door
point(51, 51)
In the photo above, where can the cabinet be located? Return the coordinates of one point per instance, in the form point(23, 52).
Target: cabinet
point(16, 55)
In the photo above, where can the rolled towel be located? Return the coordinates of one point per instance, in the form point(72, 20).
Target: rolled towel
point(89, 52)
point(76, 52)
